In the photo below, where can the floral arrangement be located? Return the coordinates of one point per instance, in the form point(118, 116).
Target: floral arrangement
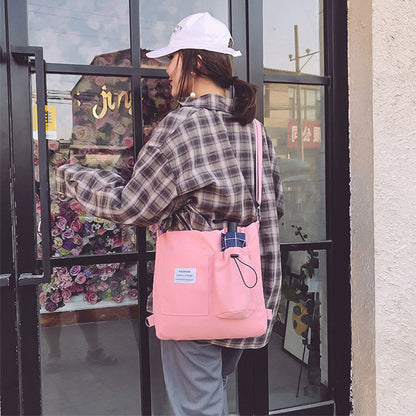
point(75, 232)
point(112, 282)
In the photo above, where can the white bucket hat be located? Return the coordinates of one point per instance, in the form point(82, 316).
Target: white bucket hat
point(198, 31)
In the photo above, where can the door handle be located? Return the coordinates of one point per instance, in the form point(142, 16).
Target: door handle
point(20, 54)
point(5, 279)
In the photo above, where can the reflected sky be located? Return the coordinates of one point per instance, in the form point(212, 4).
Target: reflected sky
point(77, 30)
point(280, 17)
point(74, 31)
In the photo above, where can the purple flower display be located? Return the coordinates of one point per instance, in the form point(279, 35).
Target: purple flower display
point(112, 282)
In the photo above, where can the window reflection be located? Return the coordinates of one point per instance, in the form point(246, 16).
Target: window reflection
point(298, 351)
point(91, 124)
point(283, 50)
point(73, 31)
point(289, 109)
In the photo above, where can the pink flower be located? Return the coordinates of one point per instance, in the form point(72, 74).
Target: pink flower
point(74, 270)
point(43, 298)
point(77, 207)
point(76, 225)
point(128, 141)
point(76, 251)
point(56, 297)
point(102, 287)
point(80, 279)
point(68, 234)
point(55, 231)
point(61, 223)
point(118, 298)
point(61, 270)
point(133, 293)
point(91, 297)
point(63, 281)
point(66, 295)
point(77, 239)
point(108, 270)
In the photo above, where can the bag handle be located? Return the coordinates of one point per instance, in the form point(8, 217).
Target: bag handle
point(259, 161)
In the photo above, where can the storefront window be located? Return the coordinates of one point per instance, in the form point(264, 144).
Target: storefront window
point(158, 18)
point(281, 20)
point(301, 162)
point(298, 350)
point(74, 31)
point(90, 124)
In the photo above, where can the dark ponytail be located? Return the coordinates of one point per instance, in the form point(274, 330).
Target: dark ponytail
point(219, 68)
point(244, 103)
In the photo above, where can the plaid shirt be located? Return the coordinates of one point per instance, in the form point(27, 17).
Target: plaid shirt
point(198, 166)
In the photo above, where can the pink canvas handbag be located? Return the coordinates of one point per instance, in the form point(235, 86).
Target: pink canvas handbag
point(204, 291)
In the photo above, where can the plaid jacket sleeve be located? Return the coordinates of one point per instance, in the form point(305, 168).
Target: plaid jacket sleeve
point(106, 195)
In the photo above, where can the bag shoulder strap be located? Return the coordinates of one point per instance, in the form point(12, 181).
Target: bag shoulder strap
point(259, 160)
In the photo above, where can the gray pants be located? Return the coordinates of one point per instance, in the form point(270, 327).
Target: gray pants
point(196, 375)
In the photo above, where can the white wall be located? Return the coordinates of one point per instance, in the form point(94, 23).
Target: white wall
point(382, 65)
point(362, 200)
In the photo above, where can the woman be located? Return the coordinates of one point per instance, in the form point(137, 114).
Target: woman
point(195, 172)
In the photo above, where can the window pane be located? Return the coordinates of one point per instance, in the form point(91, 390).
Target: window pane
point(90, 122)
point(301, 162)
point(157, 20)
point(75, 31)
point(80, 311)
point(279, 19)
point(302, 317)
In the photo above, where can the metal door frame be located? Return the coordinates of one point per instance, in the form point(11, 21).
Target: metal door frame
point(9, 372)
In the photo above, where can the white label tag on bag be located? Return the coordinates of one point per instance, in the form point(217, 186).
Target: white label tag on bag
point(183, 275)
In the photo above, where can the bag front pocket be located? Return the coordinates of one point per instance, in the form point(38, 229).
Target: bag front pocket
point(235, 280)
point(182, 288)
